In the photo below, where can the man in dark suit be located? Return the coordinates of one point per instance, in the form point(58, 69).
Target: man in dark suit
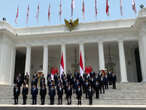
point(77, 83)
point(24, 93)
point(86, 88)
point(34, 93)
point(16, 92)
point(52, 94)
point(97, 87)
point(90, 95)
point(18, 82)
point(79, 95)
point(33, 82)
point(102, 90)
point(43, 92)
point(106, 81)
point(114, 78)
point(110, 77)
point(60, 94)
point(69, 94)
point(42, 80)
point(26, 78)
point(91, 81)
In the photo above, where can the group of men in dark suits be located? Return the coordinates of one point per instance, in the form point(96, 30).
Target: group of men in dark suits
point(21, 81)
point(67, 85)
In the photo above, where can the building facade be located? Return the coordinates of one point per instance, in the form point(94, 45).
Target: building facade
point(120, 44)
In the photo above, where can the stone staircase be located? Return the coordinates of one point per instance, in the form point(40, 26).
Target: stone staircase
point(125, 94)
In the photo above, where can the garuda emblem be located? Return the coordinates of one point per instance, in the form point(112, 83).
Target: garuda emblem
point(71, 24)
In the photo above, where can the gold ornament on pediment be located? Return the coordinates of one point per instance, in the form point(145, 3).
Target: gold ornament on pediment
point(70, 24)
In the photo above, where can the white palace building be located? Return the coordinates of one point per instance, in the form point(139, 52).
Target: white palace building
point(120, 44)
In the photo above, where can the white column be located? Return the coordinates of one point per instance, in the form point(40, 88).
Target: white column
point(63, 50)
point(83, 54)
point(6, 59)
point(122, 62)
point(101, 56)
point(13, 59)
point(45, 61)
point(28, 60)
point(142, 52)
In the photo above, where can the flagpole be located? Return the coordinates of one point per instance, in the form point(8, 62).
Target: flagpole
point(49, 13)
point(83, 9)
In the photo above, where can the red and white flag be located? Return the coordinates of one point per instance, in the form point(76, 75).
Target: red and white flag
point(27, 15)
point(107, 8)
point(96, 8)
point(134, 6)
point(83, 8)
point(121, 8)
point(49, 12)
point(88, 69)
point(38, 12)
point(72, 7)
point(81, 65)
point(17, 15)
point(60, 10)
point(53, 72)
point(61, 65)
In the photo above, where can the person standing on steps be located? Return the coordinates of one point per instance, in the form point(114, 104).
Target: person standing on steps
point(114, 78)
point(102, 90)
point(90, 95)
point(96, 88)
point(79, 95)
point(24, 93)
point(60, 94)
point(16, 92)
point(34, 93)
point(52, 94)
point(43, 92)
point(106, 81)
point(69, 94)
point(86, 88)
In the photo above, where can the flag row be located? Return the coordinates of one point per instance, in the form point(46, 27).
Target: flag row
point(72, 10)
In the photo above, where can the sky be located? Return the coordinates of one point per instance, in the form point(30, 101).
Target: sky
point(8, 9)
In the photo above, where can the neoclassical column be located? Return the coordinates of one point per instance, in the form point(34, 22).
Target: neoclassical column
point(122, 62)
point(45, 60)
point(142, 52)
point(101, 56)
point(82, 50)
point(28, 60)
point(12, 69)
point(63, 51)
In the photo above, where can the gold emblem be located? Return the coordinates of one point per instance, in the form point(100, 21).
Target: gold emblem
point(71, 24)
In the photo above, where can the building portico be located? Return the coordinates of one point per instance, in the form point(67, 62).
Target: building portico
point(118, 43)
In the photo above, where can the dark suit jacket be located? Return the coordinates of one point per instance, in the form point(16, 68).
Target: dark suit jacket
point(90, 93)
point(43, 92)
point(60, 92)
point(68, 92)
point(79, 92)
point(25, 91)
point(52, 92)
point(16, 92)
point(34, 92)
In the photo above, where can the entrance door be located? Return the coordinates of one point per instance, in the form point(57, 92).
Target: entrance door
point(19, 64)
